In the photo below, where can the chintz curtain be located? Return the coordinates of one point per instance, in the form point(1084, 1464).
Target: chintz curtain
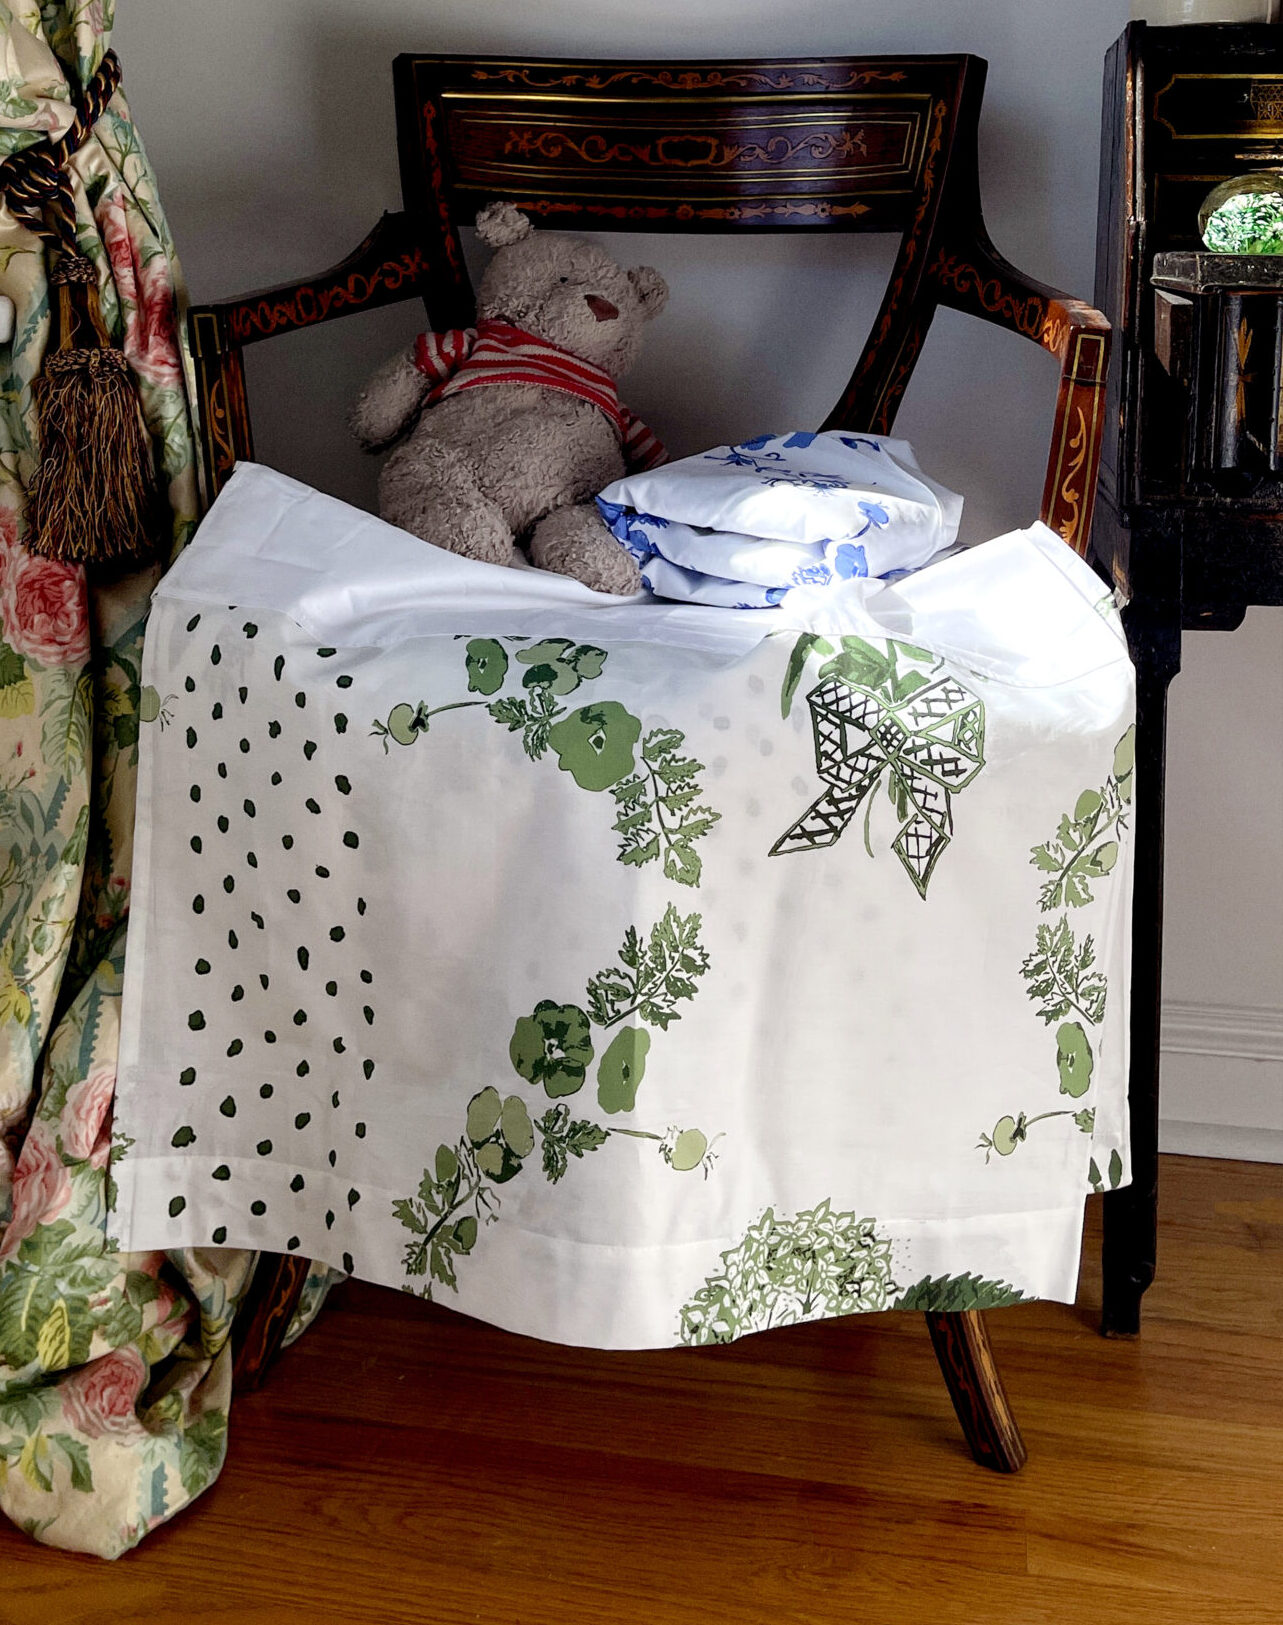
point(114, 1369)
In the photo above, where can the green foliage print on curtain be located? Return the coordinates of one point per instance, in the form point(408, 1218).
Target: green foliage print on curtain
point(114, 1370)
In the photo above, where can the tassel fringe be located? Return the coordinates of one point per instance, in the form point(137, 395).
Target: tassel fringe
point(92, 499)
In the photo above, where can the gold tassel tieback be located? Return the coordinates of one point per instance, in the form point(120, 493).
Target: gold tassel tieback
point(93, 498)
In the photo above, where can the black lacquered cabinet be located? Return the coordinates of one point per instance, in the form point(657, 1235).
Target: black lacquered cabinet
point(1189, 515)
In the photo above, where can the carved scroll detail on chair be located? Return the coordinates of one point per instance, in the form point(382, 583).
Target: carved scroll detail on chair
point(686, 150)
point(782, 212)
point(693, 79)
point(1026, 314)
point(317, 302)
point(895, 299)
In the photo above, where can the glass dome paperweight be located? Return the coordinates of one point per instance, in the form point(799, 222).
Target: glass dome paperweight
point(1244, 215)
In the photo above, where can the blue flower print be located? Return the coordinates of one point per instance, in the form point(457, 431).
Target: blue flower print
point(802, 438)
point(854, 442)
point(813, 575)
point(627, 527)
point(873, 516)
point(849, 560)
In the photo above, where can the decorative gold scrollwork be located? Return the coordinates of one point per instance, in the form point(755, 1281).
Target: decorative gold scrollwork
point(693, 150)
point(1026, 314)
point(913, 240)
point(733, 213)
point(749, 79)
point(313, 303)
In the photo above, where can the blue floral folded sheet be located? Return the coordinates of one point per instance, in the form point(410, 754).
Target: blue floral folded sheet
point(741, 526)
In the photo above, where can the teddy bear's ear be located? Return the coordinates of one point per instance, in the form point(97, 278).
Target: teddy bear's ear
point(500, 224)
point(651, 289)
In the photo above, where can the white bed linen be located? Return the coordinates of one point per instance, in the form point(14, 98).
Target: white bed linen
point(866, 856)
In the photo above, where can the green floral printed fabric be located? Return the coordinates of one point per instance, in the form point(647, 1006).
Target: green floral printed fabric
point(469, 956)
point(114, 1366)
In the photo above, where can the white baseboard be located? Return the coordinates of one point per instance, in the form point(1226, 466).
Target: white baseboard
point(1221, 1091)
point(1220, 1140)
point(1254, 1032)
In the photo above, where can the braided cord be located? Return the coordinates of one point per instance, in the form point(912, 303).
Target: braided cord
point(37, 181)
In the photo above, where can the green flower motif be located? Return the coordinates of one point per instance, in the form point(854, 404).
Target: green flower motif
point(621, 1070)
point(552, 1046)
point(595, 744)
point(559, 665)
point(487, 666)
point(1073, 1059)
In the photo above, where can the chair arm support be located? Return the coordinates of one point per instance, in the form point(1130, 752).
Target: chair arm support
point(970, 275)
point(389, 265)
point(400, 258)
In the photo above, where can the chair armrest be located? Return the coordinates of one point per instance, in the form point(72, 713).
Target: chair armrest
point(972, 276)
point(389, 265)
point(395, 262)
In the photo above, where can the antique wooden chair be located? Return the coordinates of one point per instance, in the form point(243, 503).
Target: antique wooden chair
point(883, 144)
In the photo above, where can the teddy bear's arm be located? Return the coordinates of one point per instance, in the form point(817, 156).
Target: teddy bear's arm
point(389, 402)
point(395, 394)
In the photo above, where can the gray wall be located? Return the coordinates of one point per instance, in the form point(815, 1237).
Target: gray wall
point(270, 126)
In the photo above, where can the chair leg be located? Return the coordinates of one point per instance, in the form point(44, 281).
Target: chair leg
point(264, 1316)
point(966, 1357)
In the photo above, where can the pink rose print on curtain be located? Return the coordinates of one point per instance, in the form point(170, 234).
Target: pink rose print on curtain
point(86, 1118)
point(41, 1189)
point(99, 1399)
point(146, 300)
point(44, 604)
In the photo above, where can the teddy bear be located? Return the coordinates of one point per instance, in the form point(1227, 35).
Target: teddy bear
point(504, 432)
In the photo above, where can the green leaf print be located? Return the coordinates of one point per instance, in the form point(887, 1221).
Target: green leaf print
point(563, 1137)
point(1083, 849)
point(13, 668)
point(43, 1319)
point(552, 1046)
point(76, 1453)
point(658, 811)
point(1060, 975)
point(809, 643)
point(531, 717)
point(949, 1293)
point(789, 1269)
point(201, 1450)
point(651, 979)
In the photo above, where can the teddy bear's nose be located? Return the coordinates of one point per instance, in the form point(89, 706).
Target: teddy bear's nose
point(601, 308)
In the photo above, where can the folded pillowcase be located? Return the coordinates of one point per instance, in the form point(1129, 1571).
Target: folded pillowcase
point(743, 525)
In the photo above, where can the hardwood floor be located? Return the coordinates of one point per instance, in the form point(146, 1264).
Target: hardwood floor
point(405, 1465)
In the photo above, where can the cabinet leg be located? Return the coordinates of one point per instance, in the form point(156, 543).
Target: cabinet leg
point(1131, 1215)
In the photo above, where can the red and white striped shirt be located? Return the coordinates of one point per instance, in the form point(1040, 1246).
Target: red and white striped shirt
point(498, 353)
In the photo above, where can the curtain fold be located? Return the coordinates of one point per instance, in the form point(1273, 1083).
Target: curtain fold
point(115, 1372)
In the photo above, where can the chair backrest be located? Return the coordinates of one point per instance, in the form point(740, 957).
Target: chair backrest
point(839, 144)
point(843, 144)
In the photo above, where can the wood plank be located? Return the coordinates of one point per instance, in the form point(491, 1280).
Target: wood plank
point(405, 1463)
